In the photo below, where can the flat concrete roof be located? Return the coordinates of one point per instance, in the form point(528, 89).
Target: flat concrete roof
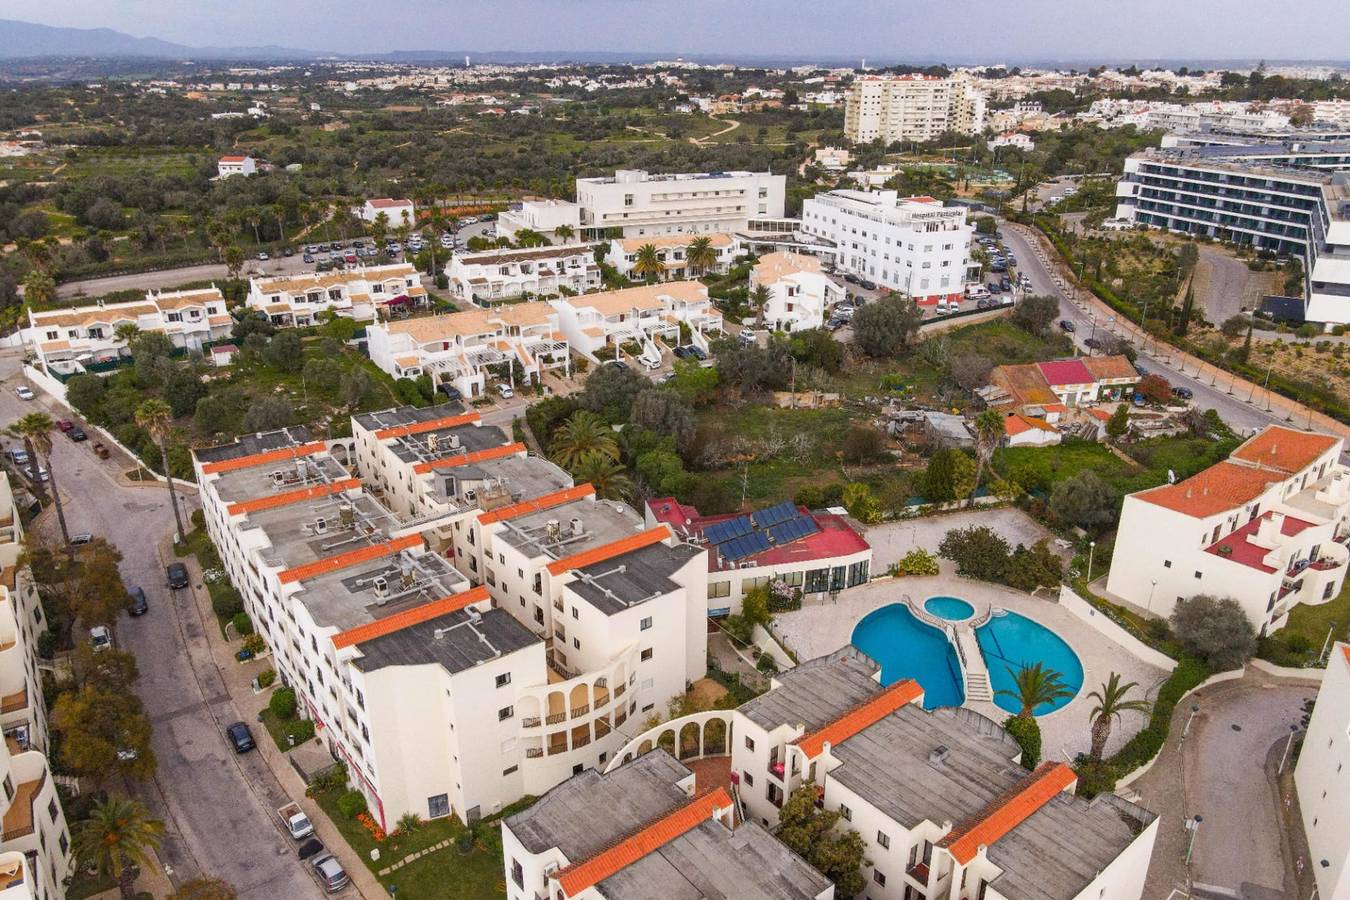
point(256, 482)
point(466, 640)
point(602, 522)
point(437, 444)
point(407, 415)
point(614, 586)
point(523, 478)
point(348, 597)
point(249, 444)
point(816, 692)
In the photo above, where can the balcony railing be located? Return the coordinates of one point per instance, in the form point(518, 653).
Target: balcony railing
point(776, 768)
point(534, 752)
point(555, 718)
point(919, 872)
point(578, 711)
point(529, 722)
point(15, 701)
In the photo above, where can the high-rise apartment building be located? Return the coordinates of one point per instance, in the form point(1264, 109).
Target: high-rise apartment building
point(893, 108)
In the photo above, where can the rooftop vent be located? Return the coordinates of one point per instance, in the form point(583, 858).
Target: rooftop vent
point(454, 441)
point(939, 755)
point(347, 515)
point(433, 442)
point(381, 586)
point(553, 529)
point(577, 528)
point(321, 525)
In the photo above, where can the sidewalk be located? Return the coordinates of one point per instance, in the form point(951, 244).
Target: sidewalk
point(238, 680)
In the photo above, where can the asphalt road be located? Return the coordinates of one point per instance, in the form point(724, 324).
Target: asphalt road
point(217, 805)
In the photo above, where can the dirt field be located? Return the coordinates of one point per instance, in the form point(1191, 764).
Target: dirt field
point(1224, 286)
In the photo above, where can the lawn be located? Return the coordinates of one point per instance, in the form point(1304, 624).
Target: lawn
point(1038, 468)
point(1300, 641)
point(281, 729)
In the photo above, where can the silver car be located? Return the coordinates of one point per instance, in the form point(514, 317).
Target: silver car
point(330, 873)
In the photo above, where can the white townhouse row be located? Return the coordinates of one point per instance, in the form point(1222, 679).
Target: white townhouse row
point(890, 108)
point(640, 203)
point(1319, 778)
point(601, 323)
point(35, 849)
point(441, 696)
point(462, 349)
point(1267, 527)
point(673, 253)
point(503, 274)
point(800, 293)
point(66, 340)
point(913, 245)
point(358, 293)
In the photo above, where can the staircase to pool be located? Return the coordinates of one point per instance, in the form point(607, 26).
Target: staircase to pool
point(961, 635)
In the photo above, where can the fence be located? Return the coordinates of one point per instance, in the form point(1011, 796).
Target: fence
point(1113, 632)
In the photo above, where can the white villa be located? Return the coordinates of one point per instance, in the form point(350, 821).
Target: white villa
point(600, 323)
point(358, 293)
point(671, 250)
point(397, 211)
point(800, 293)
point(503, 274)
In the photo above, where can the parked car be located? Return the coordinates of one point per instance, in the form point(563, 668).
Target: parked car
point(262, 256)
point(137, 605)
point(310, 848)
point(506, 391)
point(240, 737)
point(1066, 325)
point(287, 251)
point(698, 354)
point(17, 455)
point(1141, 370)
point(24, 392)
point(867, 285)
point(1182, 393)
point(77, 434)
point(618, 364)
point(100, 638)
point(682, 352)
point(79, 540)
point(64, 424)
point(835, 323)
point(450, 392)
point(330, 873)
point(1093, 344)
point(296, 822)
point(100, 451)
point(308, 257)
point(177, 575)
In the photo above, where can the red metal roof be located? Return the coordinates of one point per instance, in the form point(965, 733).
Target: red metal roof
point(1066, 371)
point(834, 539)
point(1244, 551)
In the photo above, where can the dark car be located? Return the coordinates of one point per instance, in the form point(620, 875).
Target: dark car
point(311, 847)
point(240, 737)
point(867, 285)
point(698, 354)
point(450, 391)
point(1093, 344)
point(178, 575)
point(309, 257)
point(1066, 325)
point(995, 287)
point(287, 251)
point(76, 434)
point(1005, 283)
point(1182, 393)
point(681, 352)
point(137, 605)
point(618, 364)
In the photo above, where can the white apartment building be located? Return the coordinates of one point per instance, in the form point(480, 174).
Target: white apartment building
point(67, 340)
point(640, 203)
point(892, 108)
point(673, 251)
point(35, 853)
point(1267, 527)
point(538, 271)
point(398, 211)
point(1318, 775)
point(462, 349)
point(359, 293)
point(944, 809)
point(228, 166)
point(914, 245)
point(646, 830)
point(543, 216)
point(601, 323)
point(800, 293)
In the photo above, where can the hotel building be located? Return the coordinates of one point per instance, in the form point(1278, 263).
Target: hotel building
point(638, 203)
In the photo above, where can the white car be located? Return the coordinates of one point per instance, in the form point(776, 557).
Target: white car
point(506, 392)
point(24, 392)
point(100, 638)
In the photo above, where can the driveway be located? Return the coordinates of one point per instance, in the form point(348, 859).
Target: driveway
point(217, 806)
point(1225, 287)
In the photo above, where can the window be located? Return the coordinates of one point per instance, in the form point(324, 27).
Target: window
point(883, 840)
point(846, 813)
point(509, 771)
point(575, 614)
point(1198, 575)
point(504, 679)
point(750, 584)
point(576, 644)
point(578, 769)
point(647, 622)
point(505, 713)
point(1167, 564)
point(717, 589)
point(517, 874)
point(647, 654)
point(438, 806)
point(749, 779)
point(878, 877)
point(750, 744)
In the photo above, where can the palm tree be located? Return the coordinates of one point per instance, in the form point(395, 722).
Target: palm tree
point(563, 232)
point(39, 288)
point(989, 431)
point(1111, 703)
point(118, 837)
point(759, 298)
point(528, 237)
point(605, 475)
point(234, 260)
point(1035, 686)
point(36, 431)
point(155, 416)
point(700, 254)
point(648, 263)
point(126, 333)
point(583, 435)
point(379, 227)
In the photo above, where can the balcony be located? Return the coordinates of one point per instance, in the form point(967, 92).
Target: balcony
point(530, 722)
point(579, 711)
point(18, 821)
point(919, 872)
point(534, 752)
point(15, 701)
point(555, 718)
point(776, 769)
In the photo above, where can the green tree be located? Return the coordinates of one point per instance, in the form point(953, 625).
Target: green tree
point(97, 594)
point(583, 435)
point(104, 733)
point(610, 392)
point(759, 300)
point(182, 389)
point(379, 228)
point(353, 387)
point(989, 434)
point(234, 260)
point(564, 233)
point(1027, 734)
point(39, 288)
point(694, 382)
point(665, 412)
point(1110, 701)
point(608, 478)
point(268, 414)
point(1084, 500)
point(885, 327)
point(647, 263)
point(700, 255)
point(36, 431)
point(1035, 314)
point(811, 833)
point(118, 837)
point(285, 352)
point(211, 416)
point(1119, 423)
point(861, 503)
point(126, 333)
point(950, 475)
point(546, 415)
point(978, 551)
point(1034, 686)
point(156, 418)
point(1216, 630)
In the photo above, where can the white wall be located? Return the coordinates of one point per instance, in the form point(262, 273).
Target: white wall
point(1320, 779)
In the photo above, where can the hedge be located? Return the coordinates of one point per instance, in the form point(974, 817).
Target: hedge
point(1027, 733)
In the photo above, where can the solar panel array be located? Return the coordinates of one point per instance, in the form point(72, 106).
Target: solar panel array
point(721, 532)
point(793, 529)
point(774, 515)
point(746, 545)
point(744, 536)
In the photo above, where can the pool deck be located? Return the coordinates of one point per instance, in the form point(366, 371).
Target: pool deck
point(821, 627)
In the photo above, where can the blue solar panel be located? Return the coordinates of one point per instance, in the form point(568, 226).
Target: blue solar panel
point(792, 530)
point(746, 545)
point(774, 515)
point(720, 532)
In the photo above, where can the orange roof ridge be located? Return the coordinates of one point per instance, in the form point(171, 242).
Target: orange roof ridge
point(409, 617)
point(547, 501)
point(261, 459)
point(419, 427)
point(1345, 651)
point(288, 497)
point(647, 839)
point(350, 558)
point(864, 715)
point(1009, 810)
point(609, 551)
point(464, 459)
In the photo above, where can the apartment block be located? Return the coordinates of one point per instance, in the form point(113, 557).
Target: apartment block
point(67, 340)
point(598, 324)
point(1318, 775)
point(890, 108)
point(464, 349)
point(542, 216)
point(640, 203)
point(1267, 527)
point(647, 830)
point(800, 293)
point(913, 245)
point(357, 293)
point(538, 271)
point(672, 250)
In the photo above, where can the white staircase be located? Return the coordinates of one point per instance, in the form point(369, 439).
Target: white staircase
point(977, 674)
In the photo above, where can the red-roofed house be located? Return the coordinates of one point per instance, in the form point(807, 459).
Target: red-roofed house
point(1267, 526)
point(228, 166)
point(398, 212)
point(1071, 382)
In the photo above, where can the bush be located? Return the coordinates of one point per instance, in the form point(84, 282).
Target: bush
point(254, 644)
point(917, 562)
point(767, 664)
point(266, 679)
point(282, 703)
point(226, 602)
point(1216, 630)
point(1027, 733)
point(243, 625)
point(351, 804)
point(978, 551)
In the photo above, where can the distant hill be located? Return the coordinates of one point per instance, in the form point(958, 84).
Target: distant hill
point(20, 40)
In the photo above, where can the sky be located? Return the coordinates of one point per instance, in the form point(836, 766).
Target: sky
point(952, 30)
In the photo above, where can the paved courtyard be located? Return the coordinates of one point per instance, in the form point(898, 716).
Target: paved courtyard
point(892, 540)
point(822, 627)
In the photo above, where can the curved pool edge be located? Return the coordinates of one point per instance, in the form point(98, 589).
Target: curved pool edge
point(1034, 620)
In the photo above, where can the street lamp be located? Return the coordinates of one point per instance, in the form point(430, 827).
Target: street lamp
point(1092, 548)
point(1149, 609)
point(1195, 708)
point(1193, 826)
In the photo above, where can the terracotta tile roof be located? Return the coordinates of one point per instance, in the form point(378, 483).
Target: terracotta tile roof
point(350, 558)
point(589, 872)
point(387, 202)
point(1066, 371)
point(1018, 423)
point(1099, 413)
point(774, 267)
point(609, 551)
point(464, 459)
point(1284, 449)
point(1025, 383)
point(1221, 487)
point(409, 617)
point(1009, 811)
point(647, 296)
point(262, 459)
point(1105, 368)
point(548, 501)
point(420, 427)
point(865, 714)
point(288, 497)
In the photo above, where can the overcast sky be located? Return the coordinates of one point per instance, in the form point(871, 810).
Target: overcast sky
point(988, 30)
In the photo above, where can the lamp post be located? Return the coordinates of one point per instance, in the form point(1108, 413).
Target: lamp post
point(1193, 826)
point(1195, 708)
point(1293, 730)
point(1092, 548)
point(1149, 609)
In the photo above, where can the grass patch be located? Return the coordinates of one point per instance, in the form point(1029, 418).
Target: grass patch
point(84, 885)
point(280, 729)
point(1300, 641)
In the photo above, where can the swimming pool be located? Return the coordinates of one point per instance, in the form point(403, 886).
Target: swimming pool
point(907, 648)
point(953, 609)
point(1010, 641)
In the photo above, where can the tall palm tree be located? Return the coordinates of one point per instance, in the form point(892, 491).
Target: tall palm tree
point(1035, 686)
point(39, 288)
point(759, 298)
point(605, 475)
point(36, 431)
point(1111, 703)
point(700, 254)
point(581, 436)
point(528, 237)
point(155, 416)
point(648, 264)
point(118, 837)
point(564, 232)
point(126, 333)
point(989, 431)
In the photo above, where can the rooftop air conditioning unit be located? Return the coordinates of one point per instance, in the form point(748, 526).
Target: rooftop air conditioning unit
point(278, 477)
point(347, 515)
point(454, 441)
point(381, 586)
point(320, 525)
point(577, 528)
point(470, 495)
point(553, 529)
point(433, 442)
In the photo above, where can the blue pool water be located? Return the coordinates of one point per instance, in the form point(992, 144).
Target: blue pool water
point(1010, 642)
point(907, 648)
point(953, 609)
